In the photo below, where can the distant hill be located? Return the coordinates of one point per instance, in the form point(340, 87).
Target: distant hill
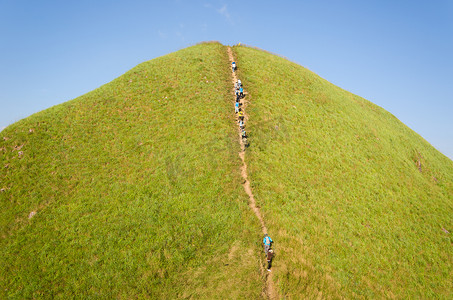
point(134, 190)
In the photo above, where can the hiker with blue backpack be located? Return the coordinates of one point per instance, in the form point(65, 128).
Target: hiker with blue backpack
point(233, 66)
point(267, 241)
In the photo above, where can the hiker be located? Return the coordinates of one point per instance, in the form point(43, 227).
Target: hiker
point(241, 124)
point(267, 241)
point(236, 92)
point(244, 134)
point(241, 92)
point(236, 107)
point(270, 255)
point(233, 66)
point(239, 83)
point(241, 114)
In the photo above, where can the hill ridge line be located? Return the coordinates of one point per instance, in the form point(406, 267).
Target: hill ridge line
point(269, 290)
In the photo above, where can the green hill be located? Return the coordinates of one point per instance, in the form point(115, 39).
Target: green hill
point(134, 190)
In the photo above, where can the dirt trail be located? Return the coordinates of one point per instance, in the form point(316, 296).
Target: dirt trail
point(270, 291)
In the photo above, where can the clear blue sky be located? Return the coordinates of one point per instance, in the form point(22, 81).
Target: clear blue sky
point(397, 54)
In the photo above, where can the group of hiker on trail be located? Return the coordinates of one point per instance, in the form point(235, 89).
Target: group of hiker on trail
point(239, 93)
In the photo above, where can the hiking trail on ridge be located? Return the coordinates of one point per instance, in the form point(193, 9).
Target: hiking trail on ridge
point(270, 291)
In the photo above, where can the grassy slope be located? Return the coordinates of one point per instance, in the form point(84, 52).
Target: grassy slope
point(137, 190)
point(338, 181)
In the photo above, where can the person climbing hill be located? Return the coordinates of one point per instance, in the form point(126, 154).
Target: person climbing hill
point(239, 83)
point(267, 241)
point(241, 92)
point(241, 114)
point(244, 134)
point(236, 107)
point(270, 255)
point(233, 66)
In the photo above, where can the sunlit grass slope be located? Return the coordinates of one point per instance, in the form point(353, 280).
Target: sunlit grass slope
point(358, 204)
point(136, 189)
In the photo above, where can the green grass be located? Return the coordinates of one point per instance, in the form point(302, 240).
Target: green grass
point(355, 201)
point(136, 189)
